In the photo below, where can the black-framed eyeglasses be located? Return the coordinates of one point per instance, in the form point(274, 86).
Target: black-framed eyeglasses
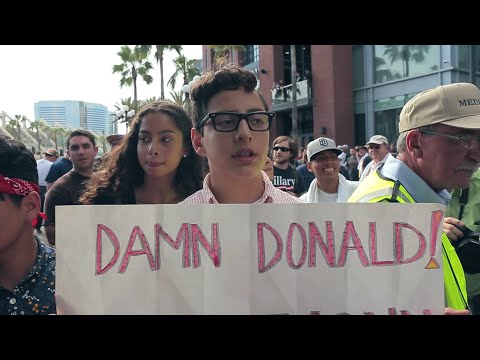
point(374, 146)
point(467, 141)
point(283, 148)
point(229, 121)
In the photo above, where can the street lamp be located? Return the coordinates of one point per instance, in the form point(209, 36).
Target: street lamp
point(186, 90)
point(125, 115)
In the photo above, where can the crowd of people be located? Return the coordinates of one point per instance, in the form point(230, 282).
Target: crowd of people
point(161, 160)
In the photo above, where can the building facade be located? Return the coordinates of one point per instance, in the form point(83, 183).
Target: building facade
point(352, 92)
point(75, 114)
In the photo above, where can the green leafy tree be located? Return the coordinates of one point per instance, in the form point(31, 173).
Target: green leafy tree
point(134, 63)
point(159, 50)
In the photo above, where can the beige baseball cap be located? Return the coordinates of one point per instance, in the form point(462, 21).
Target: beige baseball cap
point(455, 104)
point(321, 144)
point(378, 139)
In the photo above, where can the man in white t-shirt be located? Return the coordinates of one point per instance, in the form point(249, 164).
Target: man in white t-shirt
point(43, 167)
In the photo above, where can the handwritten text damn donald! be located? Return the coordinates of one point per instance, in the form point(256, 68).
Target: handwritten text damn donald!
point(190, 237)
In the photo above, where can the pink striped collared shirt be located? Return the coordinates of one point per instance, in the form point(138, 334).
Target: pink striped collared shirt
point(270, 194)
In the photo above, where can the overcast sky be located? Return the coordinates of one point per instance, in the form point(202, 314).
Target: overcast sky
point(32, 73)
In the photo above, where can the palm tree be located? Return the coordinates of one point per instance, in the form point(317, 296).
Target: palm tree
point(149, 100)
point(183, 67)
point(177, 97)
point(134, 64)
point(159, 56)
point(406, 53)
point(226, 50)
point(35, 126)
point(15, 124)
point(55, 132)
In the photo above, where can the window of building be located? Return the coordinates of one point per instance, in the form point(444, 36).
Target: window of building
point(393, 62)
point(252, 54)
point(358, 67)
point(304, 61)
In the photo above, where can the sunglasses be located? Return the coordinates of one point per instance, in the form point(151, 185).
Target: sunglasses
point(374, 146)
point(282, 148)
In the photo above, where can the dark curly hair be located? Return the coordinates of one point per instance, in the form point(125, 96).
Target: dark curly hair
point(16, 161)
point(221, 77)
point(120, 169)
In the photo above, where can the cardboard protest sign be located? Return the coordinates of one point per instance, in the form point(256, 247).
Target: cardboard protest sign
point(250, 259)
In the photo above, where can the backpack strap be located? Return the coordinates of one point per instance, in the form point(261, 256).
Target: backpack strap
point(463, 201)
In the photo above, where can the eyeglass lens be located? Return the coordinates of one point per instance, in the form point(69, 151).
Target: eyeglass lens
point(230, 122)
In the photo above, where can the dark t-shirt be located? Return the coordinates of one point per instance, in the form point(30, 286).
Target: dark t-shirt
point(65, 191)
point(307, 175)
point(59, 168)
point(288, 179)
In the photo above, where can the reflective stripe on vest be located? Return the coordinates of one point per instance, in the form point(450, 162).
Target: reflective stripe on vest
point(376, 188)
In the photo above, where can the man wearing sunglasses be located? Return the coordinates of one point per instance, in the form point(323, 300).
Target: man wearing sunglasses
point(378, 151)
point(438, 150)
point(231, 122)
point(285, 176)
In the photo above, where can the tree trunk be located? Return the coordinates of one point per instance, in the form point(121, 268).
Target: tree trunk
point(293, 57)
point(162, 92)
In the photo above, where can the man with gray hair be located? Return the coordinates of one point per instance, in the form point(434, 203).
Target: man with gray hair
point(438, 150)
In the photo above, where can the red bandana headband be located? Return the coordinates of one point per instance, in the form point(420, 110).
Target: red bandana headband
point(14, 186)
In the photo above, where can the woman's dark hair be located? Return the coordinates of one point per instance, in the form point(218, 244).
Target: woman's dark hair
point(16, 161)
point(120, 169)
point(221, 77)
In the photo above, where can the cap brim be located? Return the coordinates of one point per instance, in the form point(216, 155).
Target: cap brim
point(337, 151)
point(469, 122)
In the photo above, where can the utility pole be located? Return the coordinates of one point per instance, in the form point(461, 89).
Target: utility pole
point(293, 58)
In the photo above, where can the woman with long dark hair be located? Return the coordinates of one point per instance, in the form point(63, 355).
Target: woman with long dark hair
point(154, 164)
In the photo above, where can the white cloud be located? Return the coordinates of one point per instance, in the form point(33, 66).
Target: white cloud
point(32, 73)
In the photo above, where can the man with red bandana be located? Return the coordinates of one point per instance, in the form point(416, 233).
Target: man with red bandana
point(27, 265)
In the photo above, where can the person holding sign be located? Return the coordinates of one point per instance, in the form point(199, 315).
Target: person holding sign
point(154, 164)
point(438, 149)
point(236, 149)
point(27, 265)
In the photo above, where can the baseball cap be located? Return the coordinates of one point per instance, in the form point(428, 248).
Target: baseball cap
point(456, 104)
point(114, 138)
point(51, 152)
point(378, 139)
point(321, 144)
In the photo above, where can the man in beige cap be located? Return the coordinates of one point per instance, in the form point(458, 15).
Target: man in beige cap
point(378, 151)
point(438, 150)
point(114, 139)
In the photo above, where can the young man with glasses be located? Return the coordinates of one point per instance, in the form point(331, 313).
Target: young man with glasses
point(231, 122)
point(27, 265)
point(378, 150)
point(438, 150)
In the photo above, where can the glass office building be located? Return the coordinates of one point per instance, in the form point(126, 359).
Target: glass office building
point(355, 91)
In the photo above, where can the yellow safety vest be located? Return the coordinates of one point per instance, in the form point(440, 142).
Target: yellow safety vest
point(377, 188)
